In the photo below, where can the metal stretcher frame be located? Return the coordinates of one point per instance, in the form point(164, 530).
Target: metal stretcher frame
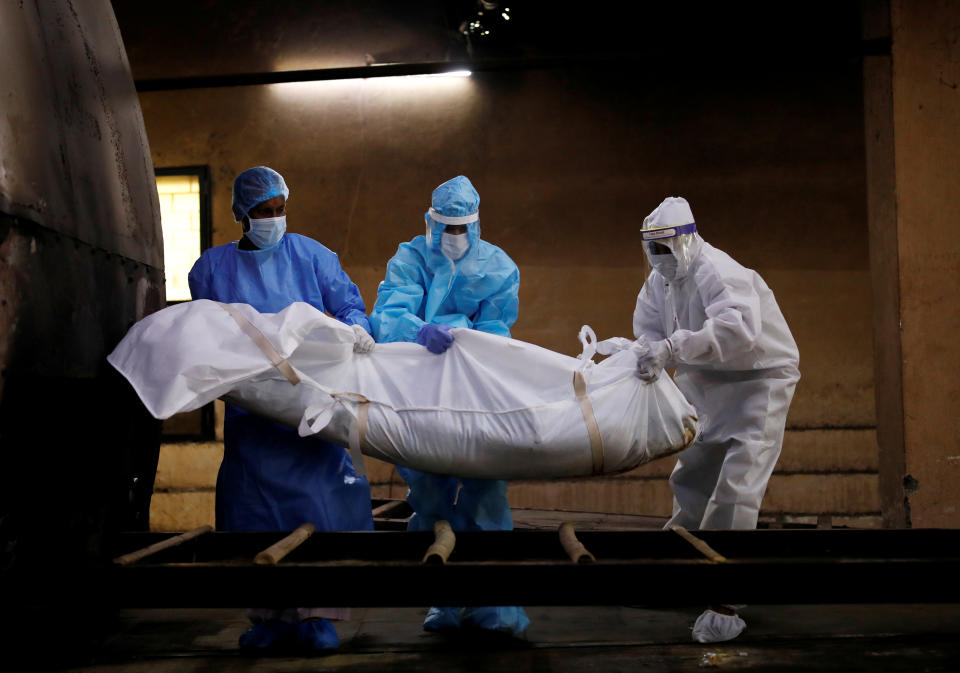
point(645, 567)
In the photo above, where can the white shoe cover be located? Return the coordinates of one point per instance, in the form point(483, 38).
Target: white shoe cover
point(713, 627)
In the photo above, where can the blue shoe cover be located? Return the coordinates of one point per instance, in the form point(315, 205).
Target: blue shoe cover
point(509, 620)
point(317, 636)
point(268, 635)
point(442, 619)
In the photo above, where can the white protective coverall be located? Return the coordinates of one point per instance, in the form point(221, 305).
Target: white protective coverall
point(718, 323)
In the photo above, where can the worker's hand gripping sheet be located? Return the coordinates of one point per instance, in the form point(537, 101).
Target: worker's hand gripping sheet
point(490, 407)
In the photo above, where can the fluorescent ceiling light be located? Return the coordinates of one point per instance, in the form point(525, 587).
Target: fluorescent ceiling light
point(452, 73)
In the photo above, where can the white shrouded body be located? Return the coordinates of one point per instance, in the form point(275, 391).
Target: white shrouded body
point(488, 408)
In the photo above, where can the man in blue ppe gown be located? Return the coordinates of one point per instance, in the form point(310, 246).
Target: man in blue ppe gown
point(447, 279)
point(719, 325)
point(271, 479)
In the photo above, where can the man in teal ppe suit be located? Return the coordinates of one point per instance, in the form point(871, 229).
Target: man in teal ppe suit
point(448, 279)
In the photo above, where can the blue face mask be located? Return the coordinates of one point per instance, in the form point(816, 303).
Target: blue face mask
point(268, 231)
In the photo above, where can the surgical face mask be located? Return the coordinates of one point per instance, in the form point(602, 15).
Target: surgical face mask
point(454, 246)
point(665, 264)
point(267, 231)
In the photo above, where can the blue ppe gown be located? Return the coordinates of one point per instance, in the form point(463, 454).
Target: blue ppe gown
point(478, 291)
point(271, 478)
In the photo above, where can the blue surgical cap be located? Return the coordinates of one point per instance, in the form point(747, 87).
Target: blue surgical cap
point(256, 185)
point(456, 198)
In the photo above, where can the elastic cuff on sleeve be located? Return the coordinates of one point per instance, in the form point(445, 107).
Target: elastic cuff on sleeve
point(671, 349)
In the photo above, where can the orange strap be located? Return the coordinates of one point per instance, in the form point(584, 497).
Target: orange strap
point(593, 429)
point(358, 432)
point(263, 343)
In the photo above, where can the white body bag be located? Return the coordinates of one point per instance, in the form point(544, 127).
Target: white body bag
point(490, 407)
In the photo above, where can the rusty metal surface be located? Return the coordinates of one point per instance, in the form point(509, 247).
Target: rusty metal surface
point(75, 154)
point(81, 249)
point(81, 259)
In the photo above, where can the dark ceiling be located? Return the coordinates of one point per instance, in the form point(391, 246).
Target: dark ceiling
point(177, 39)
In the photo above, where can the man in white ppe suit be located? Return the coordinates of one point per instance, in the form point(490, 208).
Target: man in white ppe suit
point(719, 325)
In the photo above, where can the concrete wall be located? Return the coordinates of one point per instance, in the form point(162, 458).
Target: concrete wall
point(926, 107)
point(568, 160)
point(911, 104)
point(567, 163)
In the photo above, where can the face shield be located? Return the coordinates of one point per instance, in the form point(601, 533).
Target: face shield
point(455, 208)
point(670, 250)
point(670, 239)
point(455, 235)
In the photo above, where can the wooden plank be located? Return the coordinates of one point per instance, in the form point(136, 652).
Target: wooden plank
point(150, 550)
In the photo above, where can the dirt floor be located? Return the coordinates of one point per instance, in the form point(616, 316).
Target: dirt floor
point(874, 638)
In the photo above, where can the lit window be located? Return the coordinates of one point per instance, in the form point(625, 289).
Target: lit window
point(184, 202)
point(185, 215)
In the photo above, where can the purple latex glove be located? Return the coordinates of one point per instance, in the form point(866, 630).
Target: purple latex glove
point(436, 338)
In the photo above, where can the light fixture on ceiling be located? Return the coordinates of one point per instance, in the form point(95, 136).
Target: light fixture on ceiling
point(451, 73)
point(488, 25)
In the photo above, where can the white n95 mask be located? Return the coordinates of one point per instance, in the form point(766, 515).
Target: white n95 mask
point(267, 231)
point(666, 265)
point(454, 246)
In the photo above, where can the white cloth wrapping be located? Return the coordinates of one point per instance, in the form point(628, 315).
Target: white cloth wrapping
point(490, 407)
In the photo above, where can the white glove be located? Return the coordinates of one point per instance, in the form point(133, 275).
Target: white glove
point(650, 364)
point(364, 342)
point(713, 627)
